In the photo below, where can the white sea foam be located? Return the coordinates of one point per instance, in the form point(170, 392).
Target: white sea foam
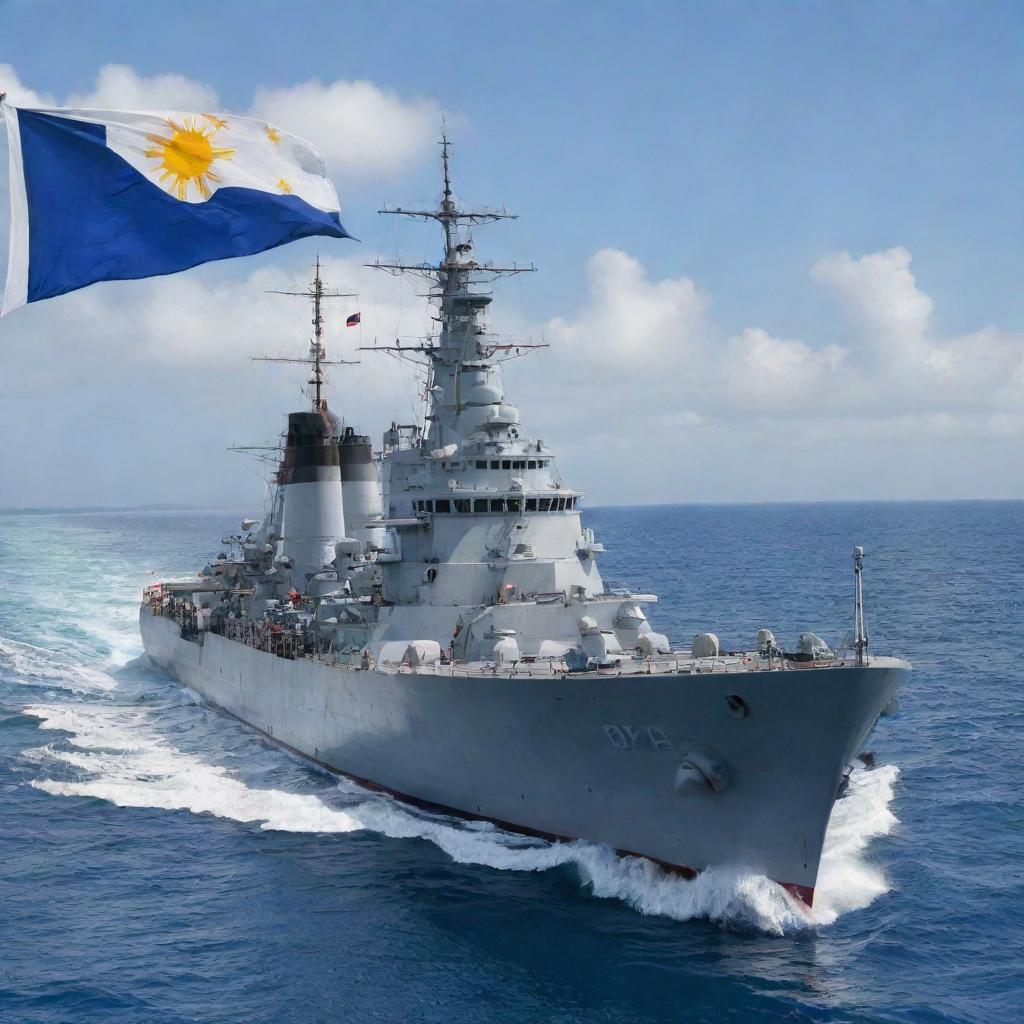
point(107, 612)
point(35, 665)
point(847, 878)
point(127, 765)
point(123, 759)
point(83, 633)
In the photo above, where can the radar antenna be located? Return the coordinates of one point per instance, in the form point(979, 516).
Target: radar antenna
point(317, 350)
point(458, 282)
point(449, 216)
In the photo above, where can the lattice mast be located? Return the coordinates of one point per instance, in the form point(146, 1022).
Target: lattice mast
point(317, 357)
point(457, 269)
point(457, 279)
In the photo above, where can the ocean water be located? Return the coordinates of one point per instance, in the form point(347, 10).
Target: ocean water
point(161, 863)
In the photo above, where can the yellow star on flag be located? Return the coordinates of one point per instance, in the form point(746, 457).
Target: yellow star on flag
point(284, 186)
point(273, 134)
point(186, 157)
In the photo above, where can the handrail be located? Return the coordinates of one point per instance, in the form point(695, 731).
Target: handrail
point(290, 643)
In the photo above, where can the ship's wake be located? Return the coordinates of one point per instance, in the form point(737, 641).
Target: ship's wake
point(40, 666)
point(112, 755)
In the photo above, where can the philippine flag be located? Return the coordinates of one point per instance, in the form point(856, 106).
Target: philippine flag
point(105, 195)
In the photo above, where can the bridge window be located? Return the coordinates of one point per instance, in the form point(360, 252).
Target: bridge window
point(544, 504)
point(479, 504)
point(532, 464)
point(495, 464)
point(497, 504)
point(481, 463)
point(531, 504)
point(514, 504)
point(462, 505)
point(506, 463)
point(442, 505)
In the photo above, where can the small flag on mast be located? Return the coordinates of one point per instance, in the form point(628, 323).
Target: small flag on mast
point(353, 320)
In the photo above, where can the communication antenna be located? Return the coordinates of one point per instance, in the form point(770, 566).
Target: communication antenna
point(458, 259)
point(860, 631)
point(317, 351)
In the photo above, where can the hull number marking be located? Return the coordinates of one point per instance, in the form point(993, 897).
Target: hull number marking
point(638, 737)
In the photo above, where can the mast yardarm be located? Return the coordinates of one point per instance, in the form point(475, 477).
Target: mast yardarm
point(317, 357)
point(460, 280)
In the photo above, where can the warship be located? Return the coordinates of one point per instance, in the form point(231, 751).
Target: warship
point(430, 620)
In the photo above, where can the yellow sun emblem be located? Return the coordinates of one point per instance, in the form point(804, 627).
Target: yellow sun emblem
point(185, 158)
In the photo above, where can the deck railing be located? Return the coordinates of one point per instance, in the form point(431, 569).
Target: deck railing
point(290, 643)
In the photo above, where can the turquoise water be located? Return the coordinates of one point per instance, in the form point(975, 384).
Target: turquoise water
point(161, 863)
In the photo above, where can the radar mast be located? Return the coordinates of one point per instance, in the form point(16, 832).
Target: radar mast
point(459, 283)
point(317, 357)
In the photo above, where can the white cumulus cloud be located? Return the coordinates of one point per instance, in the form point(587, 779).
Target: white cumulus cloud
point(19, 94)
point(662, 319)
point(119, 86)
point(359, 127)
point(879, 292)
point(641, 378)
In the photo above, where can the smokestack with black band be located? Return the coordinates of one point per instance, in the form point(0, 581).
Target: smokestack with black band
point(313, 517)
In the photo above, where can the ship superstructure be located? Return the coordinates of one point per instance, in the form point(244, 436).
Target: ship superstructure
point(431, 620)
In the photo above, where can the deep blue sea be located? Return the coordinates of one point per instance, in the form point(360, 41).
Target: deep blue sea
point(161, 863)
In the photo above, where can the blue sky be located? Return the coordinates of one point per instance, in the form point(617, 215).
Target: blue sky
point(734, 146)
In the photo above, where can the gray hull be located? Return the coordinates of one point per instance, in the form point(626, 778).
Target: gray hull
point(586, 756)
